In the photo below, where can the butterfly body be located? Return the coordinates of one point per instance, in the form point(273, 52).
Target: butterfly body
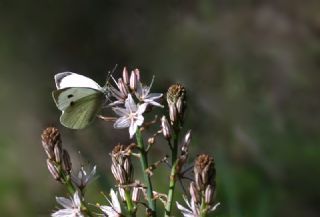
point(79, 98)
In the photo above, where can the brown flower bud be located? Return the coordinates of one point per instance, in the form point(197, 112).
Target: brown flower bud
point(50, 138)
point(204, 171)
point(176, 102)
point(55, 172)
point(121, 167)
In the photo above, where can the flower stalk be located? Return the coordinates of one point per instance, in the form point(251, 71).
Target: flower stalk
point(144, 167)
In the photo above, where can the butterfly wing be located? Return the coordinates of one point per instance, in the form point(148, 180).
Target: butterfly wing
point(70, 79)
point(79, 106)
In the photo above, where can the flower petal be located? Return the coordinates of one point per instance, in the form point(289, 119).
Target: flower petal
point(65, 202)
point(120, 111)
point(132, 129)
point(122, 122)
point(130, 104)
point(115, 201)
point(142, 108)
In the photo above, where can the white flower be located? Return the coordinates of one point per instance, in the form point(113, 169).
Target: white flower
point(71, 207)
point(114, 210)
point(130, 116)
point(193, 209)
point(144, 95)
point(83, 178)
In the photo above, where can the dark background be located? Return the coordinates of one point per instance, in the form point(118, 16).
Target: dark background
point(251, 69)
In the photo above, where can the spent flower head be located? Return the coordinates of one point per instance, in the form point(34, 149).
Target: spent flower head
point(71, 206)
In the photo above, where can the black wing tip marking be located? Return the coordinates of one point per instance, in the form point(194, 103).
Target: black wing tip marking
point(58, 77)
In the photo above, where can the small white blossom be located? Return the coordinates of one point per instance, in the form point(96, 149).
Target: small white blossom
point(193, 209)
point(71, 207)
point(130, 116)
point(114, 210)
point(144, 95)
point(83, 178)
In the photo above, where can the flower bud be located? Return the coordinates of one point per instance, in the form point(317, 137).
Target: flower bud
point(209, 193)
point(121, 167)
point(204, 172)
point(166, 131)
point(195, 194)
point(55, 172)
point(66, 162)
point(176, 102)
point(133, 81)
point(136, 194)
point(50, 137)
point(125, 76)
point(57, 153)
point(122, 87)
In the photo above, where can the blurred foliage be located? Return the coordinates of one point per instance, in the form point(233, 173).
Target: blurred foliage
point(251, 69)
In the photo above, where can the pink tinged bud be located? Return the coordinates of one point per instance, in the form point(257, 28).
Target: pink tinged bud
point(133, 81)
point(165, 127)
point(53, 170)
point(194, 192)
point(172, 113)
point(122, 87)
point(180, 105)
point(49, 151)
point(57, 153)
point(125, 75)
point(66, 162)
point(122, 194)
point(209, 193)
point(137, 72)
point(136, 194)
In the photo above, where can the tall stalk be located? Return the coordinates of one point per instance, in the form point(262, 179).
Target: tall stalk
point(144, 167)
point(173, 173)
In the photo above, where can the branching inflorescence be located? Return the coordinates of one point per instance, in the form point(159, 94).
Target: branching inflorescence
point(80, 100)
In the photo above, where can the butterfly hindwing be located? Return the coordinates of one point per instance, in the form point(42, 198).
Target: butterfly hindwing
point(79, 105)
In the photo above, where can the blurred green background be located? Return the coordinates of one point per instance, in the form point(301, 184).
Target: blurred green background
point(251, 69)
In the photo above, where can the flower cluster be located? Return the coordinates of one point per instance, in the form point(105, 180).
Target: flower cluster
point(130, 99)
point(202, 190)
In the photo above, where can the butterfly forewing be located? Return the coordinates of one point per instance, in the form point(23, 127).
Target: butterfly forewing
point(83, 111)
point(68, 96)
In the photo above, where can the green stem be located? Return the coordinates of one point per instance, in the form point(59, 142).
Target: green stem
point(144, 166)
point(203, 208)
point(130, 205)
point(173, 174)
